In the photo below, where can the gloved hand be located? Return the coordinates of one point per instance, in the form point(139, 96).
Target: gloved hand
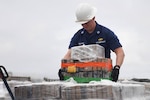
point(61, 77)
point(115, 73)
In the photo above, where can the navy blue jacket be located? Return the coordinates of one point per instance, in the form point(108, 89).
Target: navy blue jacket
point(101, 35)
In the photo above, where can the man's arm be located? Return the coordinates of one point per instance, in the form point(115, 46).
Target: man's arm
point(119, 60)
point(119, 56)
point(68, 54)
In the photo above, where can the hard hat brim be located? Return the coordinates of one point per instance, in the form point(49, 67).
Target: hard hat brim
point(82, 22)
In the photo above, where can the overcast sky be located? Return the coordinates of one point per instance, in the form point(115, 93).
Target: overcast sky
point(35, 34)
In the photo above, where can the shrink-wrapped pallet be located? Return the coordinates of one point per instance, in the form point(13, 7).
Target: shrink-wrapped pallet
point(87, 71)
point(23, 92)
point(70, 90)
point(12, 85)
point(38, 91)
point(103, 91)
point(87, 63)
point(147, 90)
point(79, 92)
point(141, 82)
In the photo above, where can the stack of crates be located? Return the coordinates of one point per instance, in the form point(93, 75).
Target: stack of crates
point(87, 64)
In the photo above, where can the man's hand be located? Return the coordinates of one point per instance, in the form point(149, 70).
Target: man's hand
point(115, 73)
point(61, 77)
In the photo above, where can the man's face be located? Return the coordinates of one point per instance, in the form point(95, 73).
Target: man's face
point(89, 26)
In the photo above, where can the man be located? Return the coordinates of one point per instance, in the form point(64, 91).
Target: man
point(93, 33)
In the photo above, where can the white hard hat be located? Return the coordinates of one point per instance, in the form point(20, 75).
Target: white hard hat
point(85, 12)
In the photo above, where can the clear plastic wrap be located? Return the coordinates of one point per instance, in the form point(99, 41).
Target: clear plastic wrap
point(86, 53)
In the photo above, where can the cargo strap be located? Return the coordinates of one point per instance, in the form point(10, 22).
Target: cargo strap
point(89, 64)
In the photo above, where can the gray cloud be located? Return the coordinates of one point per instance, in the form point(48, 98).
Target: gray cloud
point(34, 35)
